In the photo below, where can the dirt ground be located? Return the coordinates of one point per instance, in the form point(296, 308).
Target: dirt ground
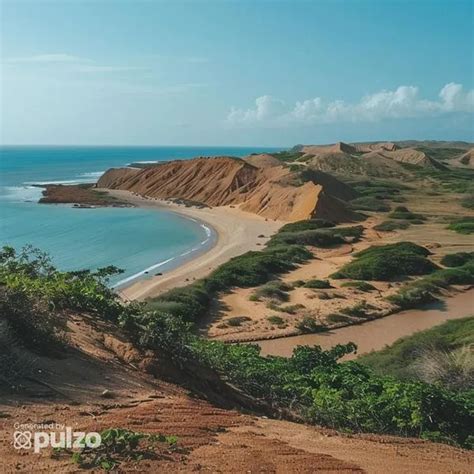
point(318, 304)
point(210, 439)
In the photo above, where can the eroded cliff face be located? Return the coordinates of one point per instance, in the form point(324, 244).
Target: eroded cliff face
point(273, 192)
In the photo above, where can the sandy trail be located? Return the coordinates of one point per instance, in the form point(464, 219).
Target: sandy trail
point(237, 232)
point(375, 335)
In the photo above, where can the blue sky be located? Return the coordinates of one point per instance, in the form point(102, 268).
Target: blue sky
point(235, 73)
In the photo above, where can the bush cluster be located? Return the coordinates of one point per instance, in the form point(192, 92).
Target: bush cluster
point(388, 226)
point(387, 262)
point(457, 259)
point(344, 395)
point(424, 290)
point(463, 226)
point(401, 212)
point(369, 203)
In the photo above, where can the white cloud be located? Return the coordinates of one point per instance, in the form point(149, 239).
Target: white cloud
point(48, 58)
point(402, 102)
point(98, 68)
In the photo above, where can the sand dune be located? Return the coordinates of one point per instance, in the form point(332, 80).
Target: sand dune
point(273, 192)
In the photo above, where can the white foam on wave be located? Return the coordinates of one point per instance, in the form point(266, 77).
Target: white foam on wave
point(92, 174)
point(22, 193)
point(143, 272)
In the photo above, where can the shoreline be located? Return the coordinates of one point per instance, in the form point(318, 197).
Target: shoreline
point(236, 232)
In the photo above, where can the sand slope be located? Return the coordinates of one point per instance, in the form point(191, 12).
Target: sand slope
point(273, 192)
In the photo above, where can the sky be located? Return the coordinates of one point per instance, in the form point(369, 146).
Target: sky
point(250, 73)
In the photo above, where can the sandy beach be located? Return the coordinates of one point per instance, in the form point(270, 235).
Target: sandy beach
point(237, 232)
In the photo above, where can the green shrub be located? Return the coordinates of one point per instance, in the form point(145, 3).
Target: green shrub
point(273, 289)
point(310, 325)
point(400, 359)
point(457, 259)
point(388, 226)
point(310, 224)
point(237, 320)
point(318, 237)
point(277, 320)
point(189, 302)
point(338, 318)
point(401, 212)
point(119, 445)
point(424, 290)
point(359, 285)
point(387, 262)
point(369, 203)
point(291, 308)
point(359, 310)
point(254, 268)
point(318, 284)
point(343, 395)
point(463, 226)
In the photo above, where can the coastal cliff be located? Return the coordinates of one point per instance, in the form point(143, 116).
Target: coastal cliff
point(274, 192)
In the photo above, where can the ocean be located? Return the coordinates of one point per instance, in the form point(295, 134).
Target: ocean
point(135, 240)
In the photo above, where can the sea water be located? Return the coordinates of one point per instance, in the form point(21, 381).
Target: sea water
point(142, 242)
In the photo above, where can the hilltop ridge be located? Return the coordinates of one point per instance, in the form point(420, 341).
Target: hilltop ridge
point(271, 190)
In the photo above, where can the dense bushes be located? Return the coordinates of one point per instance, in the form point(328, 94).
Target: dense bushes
point(345, 395)
point(457, 259)
point(463, 226)
point(359, 285)
point(387, 262)
point(424, 290)
point(35, 295)
point(317, 284)
point(401, 212)
point(317, 237)
point(310, 224)
point(388, 226)
point(414, 357)
point(369, 203)
point(273, 289)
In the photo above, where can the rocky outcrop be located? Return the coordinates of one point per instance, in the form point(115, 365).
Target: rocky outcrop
point(273, 192)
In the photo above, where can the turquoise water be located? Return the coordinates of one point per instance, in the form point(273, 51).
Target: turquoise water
point(132, 239)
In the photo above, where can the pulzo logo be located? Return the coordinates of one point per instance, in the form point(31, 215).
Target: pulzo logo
point(66, 438)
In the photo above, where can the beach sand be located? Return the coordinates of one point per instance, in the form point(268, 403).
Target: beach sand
point(237, 232)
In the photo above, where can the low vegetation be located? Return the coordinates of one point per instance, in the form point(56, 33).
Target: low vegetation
point(438, 355)
point(369, 203)
point(274, 290)
point(388, 262)
point(426, 289)
point(118, 446)
point(463, 226)
point(237, 320)
point(276, 320)
point(359, 285)
point(310, 224)
point(308, 324)
point(391, 225)
point(318, 284)
point(402, 213)
point(313, 384)
point(457, 259)
point(359, 310)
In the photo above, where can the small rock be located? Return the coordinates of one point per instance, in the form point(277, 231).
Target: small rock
point(107, 394)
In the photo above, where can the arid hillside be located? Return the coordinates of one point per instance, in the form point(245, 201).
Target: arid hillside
point(274, 192)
